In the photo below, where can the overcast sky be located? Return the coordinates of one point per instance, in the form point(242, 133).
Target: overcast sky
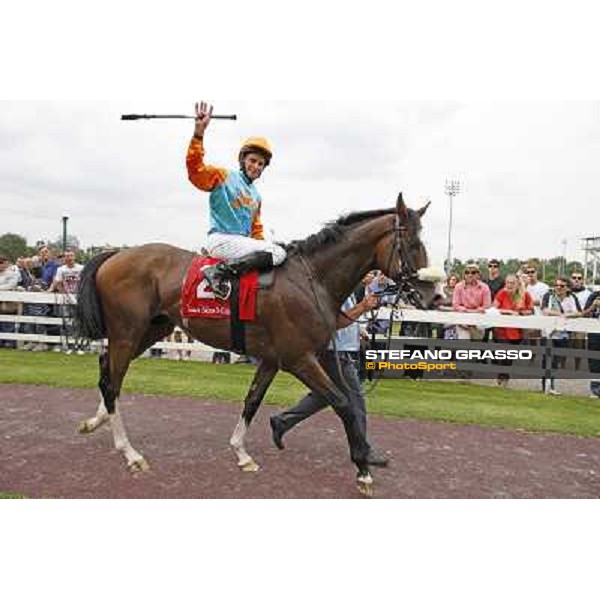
point(527, 170)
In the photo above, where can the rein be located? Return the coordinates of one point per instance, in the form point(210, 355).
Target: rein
point(406, 289)
point(405, 279)
point(310, 273)
point(407, 274)
point(311, 278)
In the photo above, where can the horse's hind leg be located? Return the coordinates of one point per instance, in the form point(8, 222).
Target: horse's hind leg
point(262, 380)
point(120, 355)
point(110, 389)
point(101, 417)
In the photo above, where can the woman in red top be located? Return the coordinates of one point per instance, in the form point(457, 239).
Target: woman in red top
point(513, 299)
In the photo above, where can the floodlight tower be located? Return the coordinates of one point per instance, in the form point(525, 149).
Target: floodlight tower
point(563, 270)
point(452, 189)
point(65, 220)
point(591, 247)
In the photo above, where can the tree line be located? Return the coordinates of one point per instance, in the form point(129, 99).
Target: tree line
point(13, 246)
point(548, 268)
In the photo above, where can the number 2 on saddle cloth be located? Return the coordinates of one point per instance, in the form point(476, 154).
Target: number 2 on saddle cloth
point(198, 301)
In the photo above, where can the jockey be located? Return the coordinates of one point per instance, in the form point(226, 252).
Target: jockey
point(236, 232)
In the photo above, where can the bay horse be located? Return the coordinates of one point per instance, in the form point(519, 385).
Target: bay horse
point(132, 297)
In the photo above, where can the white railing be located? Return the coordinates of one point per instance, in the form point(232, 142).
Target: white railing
point(198, 349)
point(544, 324)
point(493, 320)
point(484, 320)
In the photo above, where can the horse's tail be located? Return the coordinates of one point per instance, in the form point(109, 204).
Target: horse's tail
point(89, 318)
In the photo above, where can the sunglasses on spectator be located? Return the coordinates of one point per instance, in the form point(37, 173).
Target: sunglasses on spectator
point(493, 266)
point(576, 277)
point(471, 272)
point(530, 271)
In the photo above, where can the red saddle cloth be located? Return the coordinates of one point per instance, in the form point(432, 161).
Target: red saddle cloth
point(199, 302)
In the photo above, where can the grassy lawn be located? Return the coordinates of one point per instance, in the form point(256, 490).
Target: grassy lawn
point(434, 401)
point(11, 496)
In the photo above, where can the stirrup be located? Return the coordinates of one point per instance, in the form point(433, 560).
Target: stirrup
point(222, 290)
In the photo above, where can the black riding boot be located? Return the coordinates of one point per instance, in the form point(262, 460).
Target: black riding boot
point(219, 275)
point(262, 261)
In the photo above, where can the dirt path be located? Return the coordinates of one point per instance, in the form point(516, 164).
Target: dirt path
point(185, 441)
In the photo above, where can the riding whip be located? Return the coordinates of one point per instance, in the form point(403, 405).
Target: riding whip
point(138, 117)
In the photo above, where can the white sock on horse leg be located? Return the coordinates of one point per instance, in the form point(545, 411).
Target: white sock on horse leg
point(101, 414)
point(237, 443)
point(122, 443)
point(101, 417)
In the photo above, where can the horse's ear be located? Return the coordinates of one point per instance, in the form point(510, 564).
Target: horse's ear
point(401, 208)
point(423, 209)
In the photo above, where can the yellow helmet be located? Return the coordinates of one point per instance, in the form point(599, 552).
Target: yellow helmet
point(259, 145)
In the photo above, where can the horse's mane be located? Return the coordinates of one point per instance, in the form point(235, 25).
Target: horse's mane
point(333, 231)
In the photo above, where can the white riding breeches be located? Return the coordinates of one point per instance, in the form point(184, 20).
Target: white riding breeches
point(233, 247)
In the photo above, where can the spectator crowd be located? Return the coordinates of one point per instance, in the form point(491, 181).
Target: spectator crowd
point(516, 294)
point(42, 273)
point(520, 293)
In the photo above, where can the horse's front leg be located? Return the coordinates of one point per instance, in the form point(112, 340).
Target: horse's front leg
point(312, 374)
point(101, 417)
point(262, 380)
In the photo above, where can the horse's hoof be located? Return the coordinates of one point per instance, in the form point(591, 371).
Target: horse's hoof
point(84, 427)
point(249, 467)
point(91, 425)
point(139, 466)
point(365, 489)
point(364, 482)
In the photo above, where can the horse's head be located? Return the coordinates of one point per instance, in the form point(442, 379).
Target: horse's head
point(388, 240)
point(401, 254)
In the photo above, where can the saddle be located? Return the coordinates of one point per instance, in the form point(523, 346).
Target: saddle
point(199, 302)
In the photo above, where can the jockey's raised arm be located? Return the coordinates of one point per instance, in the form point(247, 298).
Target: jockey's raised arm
point(235, 232)
point(204, 177)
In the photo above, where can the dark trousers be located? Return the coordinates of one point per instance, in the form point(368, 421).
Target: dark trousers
point(6, 327)
point(594, 363)
point(67, 328)
point(35, 310)
point(313, 403)
point(507, 362)
point(557, 361)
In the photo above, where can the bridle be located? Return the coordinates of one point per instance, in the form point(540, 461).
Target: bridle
point(405, 280)
point(407, 274)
